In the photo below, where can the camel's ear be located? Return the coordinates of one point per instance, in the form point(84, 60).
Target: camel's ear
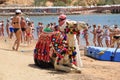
point(69, 23)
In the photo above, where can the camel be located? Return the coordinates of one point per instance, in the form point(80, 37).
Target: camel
point(52, 50)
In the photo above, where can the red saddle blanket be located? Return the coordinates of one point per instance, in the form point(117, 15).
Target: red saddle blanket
point(46, 40)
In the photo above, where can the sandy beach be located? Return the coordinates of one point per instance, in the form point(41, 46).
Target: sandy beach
point(19, 65)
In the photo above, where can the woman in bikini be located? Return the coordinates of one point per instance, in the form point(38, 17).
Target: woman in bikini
point(94, 35)
point(17, 29)
point(99, 36)
point(111, 36)
point(85, 31)
point(107, 35)
point(116, 35)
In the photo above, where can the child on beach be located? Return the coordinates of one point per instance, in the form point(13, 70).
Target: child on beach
point(39, 28)
point(29, 33)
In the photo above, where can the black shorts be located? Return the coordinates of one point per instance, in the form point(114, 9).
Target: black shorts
point(23, 29)
point(116, 37)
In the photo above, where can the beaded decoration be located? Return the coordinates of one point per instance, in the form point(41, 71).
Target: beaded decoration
point(59, 44)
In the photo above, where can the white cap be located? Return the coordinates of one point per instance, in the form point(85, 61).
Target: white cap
point(28, 19)
point(11, 17)
point(18, 11)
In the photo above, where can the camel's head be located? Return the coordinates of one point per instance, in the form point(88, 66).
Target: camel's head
point(63, 21)
point(80, 25)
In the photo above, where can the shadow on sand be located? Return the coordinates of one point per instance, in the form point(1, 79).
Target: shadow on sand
point(6, 49)
point(50, 70)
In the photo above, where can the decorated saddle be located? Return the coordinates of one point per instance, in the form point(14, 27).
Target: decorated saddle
point(52, 43)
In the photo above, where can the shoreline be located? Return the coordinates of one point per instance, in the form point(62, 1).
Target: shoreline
point(49, 14)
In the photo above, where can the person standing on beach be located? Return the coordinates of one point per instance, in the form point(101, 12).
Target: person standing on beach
point(17, 29)
point(23, 28)
point(29, 33)
point(106, 35)
point(2, 28)
point(116, 35)
point(7, 27)
point(11, 29)
point(85, 32)
point(99, 36)
point(33, 29)
point(94, 35)
point(39, 28)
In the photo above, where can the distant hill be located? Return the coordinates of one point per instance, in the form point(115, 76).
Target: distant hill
point(57, 2)
point(16, 2)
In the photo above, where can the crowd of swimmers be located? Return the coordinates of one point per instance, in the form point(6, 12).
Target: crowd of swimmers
point(100, 33)
point(24, 29)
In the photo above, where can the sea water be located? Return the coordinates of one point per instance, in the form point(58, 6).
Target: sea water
point(103, 19)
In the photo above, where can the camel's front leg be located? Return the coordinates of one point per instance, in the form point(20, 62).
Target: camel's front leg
point(69, 67)
point(77, 69)
point(63, 68)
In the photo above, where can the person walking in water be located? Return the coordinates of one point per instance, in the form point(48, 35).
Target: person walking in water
point(17, 29)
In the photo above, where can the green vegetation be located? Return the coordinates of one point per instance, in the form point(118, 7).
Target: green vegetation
point(68, 2)
point(39, 2)
point(59, 3)
point(76, 3)
point(108, 2)
point(79, 3)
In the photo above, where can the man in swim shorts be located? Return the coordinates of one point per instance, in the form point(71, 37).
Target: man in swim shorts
point(23, 28)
